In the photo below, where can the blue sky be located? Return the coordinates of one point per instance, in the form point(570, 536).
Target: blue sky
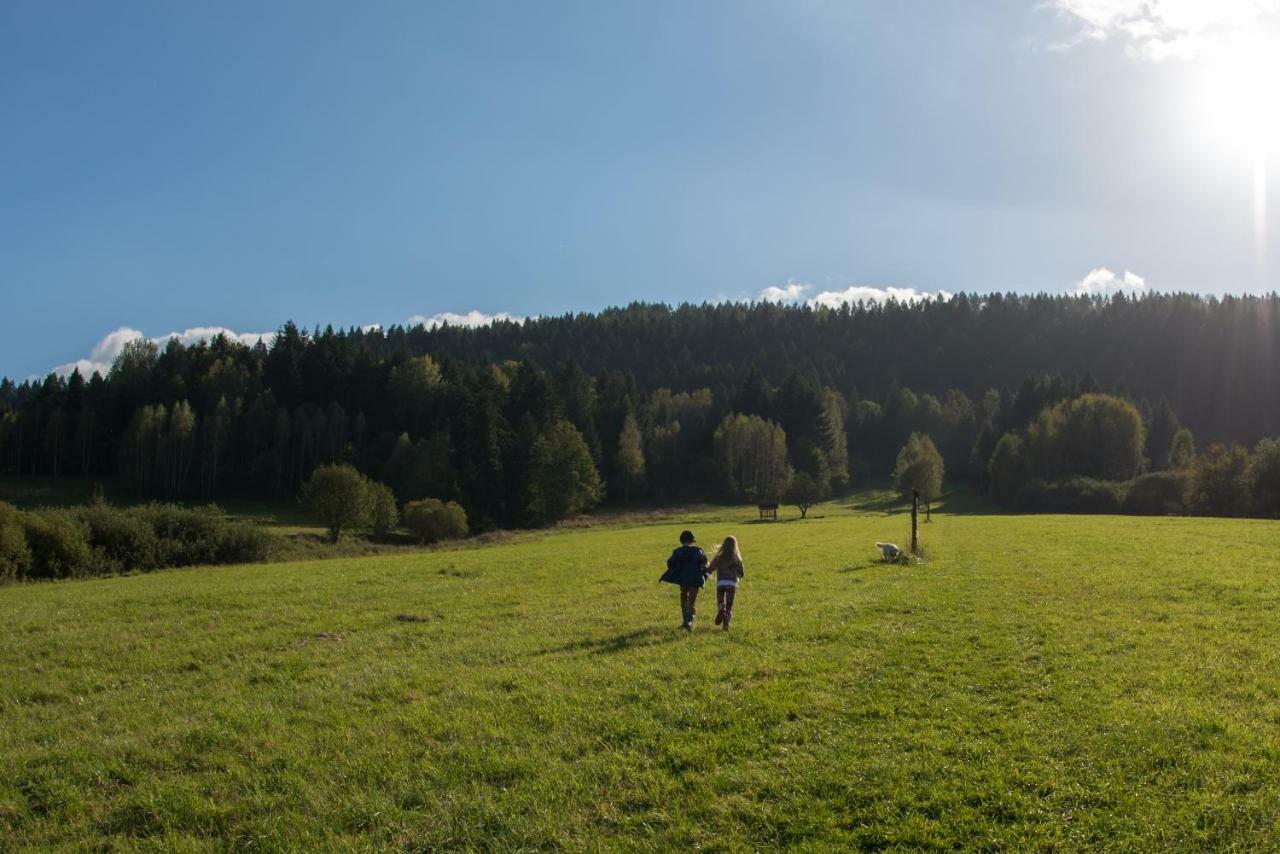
point(176, 166)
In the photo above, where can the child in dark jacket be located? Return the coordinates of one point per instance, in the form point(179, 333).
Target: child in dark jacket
point(687, 567)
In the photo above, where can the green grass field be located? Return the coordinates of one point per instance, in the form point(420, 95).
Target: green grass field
point(1041, 682)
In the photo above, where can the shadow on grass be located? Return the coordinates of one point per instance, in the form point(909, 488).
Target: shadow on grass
point(880, 504)
point(649, 636)
point(958, 502)
point(871, 563)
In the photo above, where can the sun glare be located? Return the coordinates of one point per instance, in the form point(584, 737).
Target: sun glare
point(1241, 95)
point(1240, 98)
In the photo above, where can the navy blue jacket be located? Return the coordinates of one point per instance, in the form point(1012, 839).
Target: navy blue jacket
point(687, 567)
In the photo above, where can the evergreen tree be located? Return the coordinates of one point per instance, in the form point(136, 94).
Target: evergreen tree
point(1008, 469)
point(1182, 450)
point(413, 388)
point(630, 458)
point(562, 479)
point(835, 441)
point(754, 397)
point(1161, 427)
point(577, 392)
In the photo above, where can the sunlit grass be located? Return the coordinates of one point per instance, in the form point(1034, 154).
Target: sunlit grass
point(1040, 681)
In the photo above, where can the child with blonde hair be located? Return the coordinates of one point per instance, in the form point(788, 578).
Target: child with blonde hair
point(726, 564)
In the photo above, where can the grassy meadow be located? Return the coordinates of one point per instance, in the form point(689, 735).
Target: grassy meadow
point(1041, 682)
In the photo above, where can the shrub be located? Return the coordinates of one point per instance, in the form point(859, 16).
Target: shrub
point(15, 556)
point(383, 514)
point(100, 540)
point(185, 536)
point(1158, 494)
point(123, 538)
point(1219, 482)
point(432, 519)
point(1071, 495)
point(339, 495)
point(59, 545)
point(1264, 478)
point(244, 542)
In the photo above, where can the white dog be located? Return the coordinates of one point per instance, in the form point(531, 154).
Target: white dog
point(888, 551)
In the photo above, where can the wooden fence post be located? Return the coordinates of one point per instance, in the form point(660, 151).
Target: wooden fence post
point(915, 535)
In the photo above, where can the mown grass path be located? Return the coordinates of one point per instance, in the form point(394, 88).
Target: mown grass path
point(1042, 682)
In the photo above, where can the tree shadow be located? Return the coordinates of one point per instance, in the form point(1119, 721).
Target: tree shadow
point(870, 563)
point(958, 502)
point(649, 636)
point(880, 505)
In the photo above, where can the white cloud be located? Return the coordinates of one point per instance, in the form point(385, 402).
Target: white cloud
point(795, 291)
point(105, 351)
point(472, 318)
point(1167, 29)
point(866, 293)
point(1103, 281)
point(791, 292)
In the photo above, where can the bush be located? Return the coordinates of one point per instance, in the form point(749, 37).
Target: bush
point(1158, 494)
point(102, 540)
point(1071, 495)
point(59, 545)
point(432, 519)
point(15, 556)
point(1264, 478)
point(383, 514)
point(244, 542)
point(122, 538)
point(1219, 482)
point(185, 536)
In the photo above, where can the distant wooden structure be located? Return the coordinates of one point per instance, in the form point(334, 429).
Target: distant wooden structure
point(768, 510)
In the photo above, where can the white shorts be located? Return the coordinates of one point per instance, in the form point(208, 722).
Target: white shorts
point(727, 582)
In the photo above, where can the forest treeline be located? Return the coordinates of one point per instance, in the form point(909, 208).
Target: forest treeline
point(522, 423)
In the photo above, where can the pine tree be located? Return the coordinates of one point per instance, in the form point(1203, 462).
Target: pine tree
point(630, 457)
point(562, 480)
point(1182, 450)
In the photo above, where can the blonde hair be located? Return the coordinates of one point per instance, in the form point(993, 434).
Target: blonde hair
point(726, 553)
